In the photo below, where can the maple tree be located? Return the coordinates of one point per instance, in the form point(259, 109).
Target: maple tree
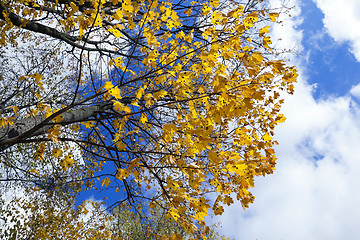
point(165, 103)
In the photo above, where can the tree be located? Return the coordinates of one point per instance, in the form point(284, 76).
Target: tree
point(127, 226)
point(43, 217)
point(164, 102)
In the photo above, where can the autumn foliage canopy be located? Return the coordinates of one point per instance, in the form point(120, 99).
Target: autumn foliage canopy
point(164, 103)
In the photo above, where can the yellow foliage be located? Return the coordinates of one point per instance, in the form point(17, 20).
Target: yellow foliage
point(189, 103)
point(273, 16)
point(34, 171)
point(105, 182)
point(67, 162)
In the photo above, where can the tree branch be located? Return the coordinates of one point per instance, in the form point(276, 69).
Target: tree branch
point(35, 126)
point(52, 32)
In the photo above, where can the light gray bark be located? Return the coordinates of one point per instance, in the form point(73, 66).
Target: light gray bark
point(35, 126)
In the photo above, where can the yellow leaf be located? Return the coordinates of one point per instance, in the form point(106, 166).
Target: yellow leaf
point(74, 7)
point(264, 30)
point(117, 61)
point(214, 3)
point(127, 109)
point(57, 152)
point(39, 154)
point(11, 121)
point(53, 133)
point(266, 42)
point(176, 237)
point(121, 174)
point(4, 121)
point(81, 31)
point(218, 210)
point(119, 15)
point(116, 32)
point(200, 215)
point(159, 94)
point(127, 6)
point(205, 10)
point(34, 171)
point(281, 118)
point(67, 162)
point(89, 124)
point(238, 12)
point(188, 12)
point(37, 76)
point(105, 182)
point(143, 118)
point(58, 118)
point(237, 168)
point(108, 85)
point(256, 58)
point(249, 21)
point(98, 20)
point(118, 106)
point(174, 213)
point(120, 145)
point(270, 151)
point(273, 16)
point(215, 17)
point(140, 93)
point(115, 92)
point(228, 200)
point(267, 137)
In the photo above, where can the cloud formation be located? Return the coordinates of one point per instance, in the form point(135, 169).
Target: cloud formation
point(314, 192)
point(342, 21)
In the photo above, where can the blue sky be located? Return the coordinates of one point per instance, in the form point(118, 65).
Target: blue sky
point(315, 192)
point(332, 67)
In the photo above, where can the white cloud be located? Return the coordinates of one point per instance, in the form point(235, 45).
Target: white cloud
point(355, 91)
point(314, 192)
point(342, 21)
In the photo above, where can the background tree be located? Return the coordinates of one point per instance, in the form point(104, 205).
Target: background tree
point(163, 102)
point(128, 226)
point(39, 216)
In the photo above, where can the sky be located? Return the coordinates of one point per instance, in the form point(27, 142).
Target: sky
point(314, 192)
